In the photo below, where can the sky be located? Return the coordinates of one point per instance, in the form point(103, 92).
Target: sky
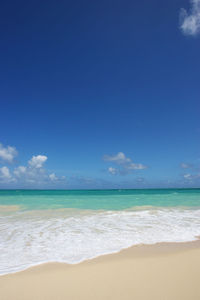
point(99, 94)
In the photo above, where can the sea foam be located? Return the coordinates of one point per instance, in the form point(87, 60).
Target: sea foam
point(29, 238)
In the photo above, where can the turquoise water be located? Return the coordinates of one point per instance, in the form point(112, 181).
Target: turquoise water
point(39, 226)
point(100, 199)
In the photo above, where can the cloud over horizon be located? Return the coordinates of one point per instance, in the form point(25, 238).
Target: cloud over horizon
point(190, 22)
point(7, 153)
point(186, 165)
point(193, 175)
point(189, 176)
point(37, 161)
point(33, 173)
point(126, 165)
point(5, 175)
point(112, 170)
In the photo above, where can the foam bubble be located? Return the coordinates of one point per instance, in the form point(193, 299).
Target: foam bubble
point(72, 236)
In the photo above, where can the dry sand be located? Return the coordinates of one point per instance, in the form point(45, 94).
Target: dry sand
point(159, 272)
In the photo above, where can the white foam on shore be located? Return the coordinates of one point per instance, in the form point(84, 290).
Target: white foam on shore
point(31, 238)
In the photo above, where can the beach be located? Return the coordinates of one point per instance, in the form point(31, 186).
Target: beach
point(117, 244)
point(167, 271)
point(72, 227)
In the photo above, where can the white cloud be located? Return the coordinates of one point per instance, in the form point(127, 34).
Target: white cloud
point(112, 170)
point(5, 173)
point(186, 166)
point(37, 161)
point(187, 176)
point(53, 177)
point(133, 166)
point(125, 163)
point(20, 170)
point(33, 173)
point(7, 153)
point(29, 174)
point(191, 176)
point(119, 158)
point(190, 22)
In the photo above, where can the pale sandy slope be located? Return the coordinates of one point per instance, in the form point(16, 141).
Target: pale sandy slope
point(161, 272)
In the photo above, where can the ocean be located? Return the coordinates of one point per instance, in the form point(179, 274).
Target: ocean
point(39, 226)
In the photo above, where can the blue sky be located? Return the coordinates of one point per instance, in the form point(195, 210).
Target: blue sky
point(99, 94)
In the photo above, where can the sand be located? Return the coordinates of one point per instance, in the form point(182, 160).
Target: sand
point(159, 272)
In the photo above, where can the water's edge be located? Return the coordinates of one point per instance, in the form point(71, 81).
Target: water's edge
point(136, 251)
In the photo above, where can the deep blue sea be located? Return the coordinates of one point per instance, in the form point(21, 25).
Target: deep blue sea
point(38, 226)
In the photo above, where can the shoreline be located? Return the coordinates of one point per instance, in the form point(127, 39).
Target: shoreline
point(159, 271)
point(139, 251)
